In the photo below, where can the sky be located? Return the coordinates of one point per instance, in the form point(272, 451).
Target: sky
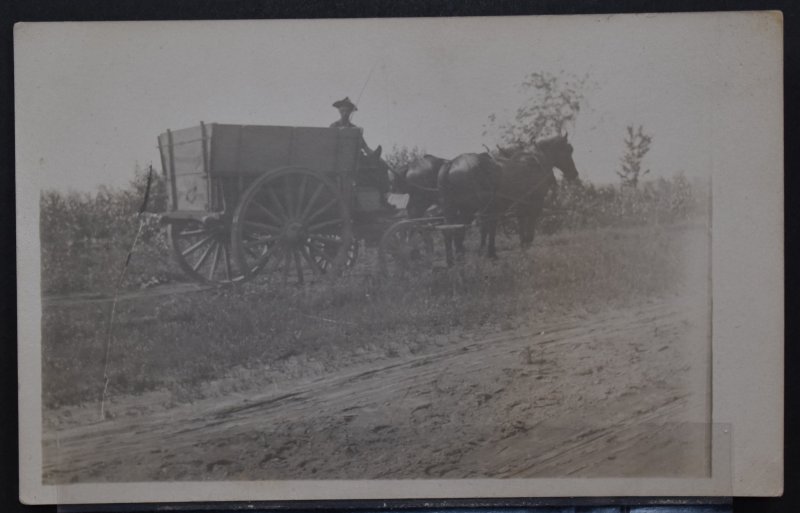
point(91, 98)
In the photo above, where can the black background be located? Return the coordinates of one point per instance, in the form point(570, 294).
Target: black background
point(12, 11)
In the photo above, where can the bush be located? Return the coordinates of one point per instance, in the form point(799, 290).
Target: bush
point(586, 206)
point(85, 237)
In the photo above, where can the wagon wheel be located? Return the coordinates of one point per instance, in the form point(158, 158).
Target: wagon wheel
point(203, 251)
point(294, 224)
point(321, 253)
point(406, 248)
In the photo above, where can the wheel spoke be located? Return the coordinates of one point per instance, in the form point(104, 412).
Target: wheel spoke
point(227, 258)
point(277, 219)
point(301, 192)
point(198, 248)
point(266, 256)
point(288, 193)
point(317, 253)
point(277, 203)
point(312, 201)
point(255, 242)
point(287, 264)
point(322, 210)
point(193, 232)
point(324, 224)
point(405, 248)
point(270, 259)
point(214, 261)
point(323, 251)
point(306, 253)
point(204, 256)
point(324, 240)
point(298, 265)
point(263, 227)
point(196, 245)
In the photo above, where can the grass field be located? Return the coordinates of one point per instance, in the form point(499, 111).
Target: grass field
point(180, 343)
point(85, 237)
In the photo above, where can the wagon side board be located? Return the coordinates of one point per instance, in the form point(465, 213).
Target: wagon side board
point(255, 149)
point(209, 166)
point(185, 157)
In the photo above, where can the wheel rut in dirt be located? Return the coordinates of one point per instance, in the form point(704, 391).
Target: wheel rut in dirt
point(597, 394)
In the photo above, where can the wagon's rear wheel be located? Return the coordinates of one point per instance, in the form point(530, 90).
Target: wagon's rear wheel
point(203, 251)
point(293, 224)
point(407, 248)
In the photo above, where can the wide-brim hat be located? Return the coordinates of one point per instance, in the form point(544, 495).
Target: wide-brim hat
point(345, 104)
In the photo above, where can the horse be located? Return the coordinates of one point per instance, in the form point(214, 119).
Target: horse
point(489, 186)
point(373, 170)
point(418, 180)
point(527, 177)
point(467, 186)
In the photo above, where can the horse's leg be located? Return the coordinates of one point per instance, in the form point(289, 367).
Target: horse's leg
point(536, 212)
point(459, 235)
point(459, 242)
point(524, 222)
point(448, 247)
point(450, 216)
point(491, 251)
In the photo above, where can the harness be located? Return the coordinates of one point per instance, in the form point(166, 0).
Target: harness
point(539, 157)
point(412, 185)
point(545, 180)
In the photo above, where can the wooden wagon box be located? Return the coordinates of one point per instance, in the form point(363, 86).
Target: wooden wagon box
point(209, 166)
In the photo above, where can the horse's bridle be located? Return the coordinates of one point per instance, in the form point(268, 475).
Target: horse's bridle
point(537, 156)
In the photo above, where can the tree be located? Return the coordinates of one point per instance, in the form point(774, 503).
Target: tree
point(402, 155)
point(552, 104)
point(637, 144)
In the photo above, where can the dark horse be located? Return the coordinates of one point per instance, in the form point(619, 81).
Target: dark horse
point(491, 187)
point(373, 169)
point(418, 180)
point(467, 187)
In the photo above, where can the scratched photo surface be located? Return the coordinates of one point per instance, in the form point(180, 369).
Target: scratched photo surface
point(384, 249)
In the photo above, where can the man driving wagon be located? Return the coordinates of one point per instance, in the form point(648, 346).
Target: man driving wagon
point(375, 175)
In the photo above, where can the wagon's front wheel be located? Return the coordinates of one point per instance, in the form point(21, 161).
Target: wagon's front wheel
point(407, 248)
point(293, 224)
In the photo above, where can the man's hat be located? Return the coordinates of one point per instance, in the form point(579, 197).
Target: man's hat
point(346, 104)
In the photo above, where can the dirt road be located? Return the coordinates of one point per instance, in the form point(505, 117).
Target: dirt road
point(614, 393)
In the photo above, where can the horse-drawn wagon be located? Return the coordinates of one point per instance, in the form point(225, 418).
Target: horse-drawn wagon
point(291, 201)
